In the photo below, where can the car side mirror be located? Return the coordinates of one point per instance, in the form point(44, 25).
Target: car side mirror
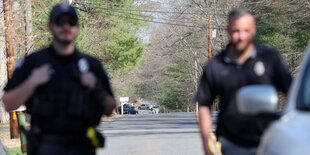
point(257, 99)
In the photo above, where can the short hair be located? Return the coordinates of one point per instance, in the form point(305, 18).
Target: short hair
point(237, 13)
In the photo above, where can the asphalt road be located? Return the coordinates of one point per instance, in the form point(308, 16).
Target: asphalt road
point(152, 134)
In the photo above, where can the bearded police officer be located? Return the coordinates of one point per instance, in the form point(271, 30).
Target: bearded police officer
point(242, 63)
point(65, 91)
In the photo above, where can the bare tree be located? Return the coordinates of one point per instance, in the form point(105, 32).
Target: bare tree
point(28, 27)
point(4, 116)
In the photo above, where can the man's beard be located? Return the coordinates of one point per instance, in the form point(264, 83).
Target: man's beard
point(241, 48)
point(62, 41)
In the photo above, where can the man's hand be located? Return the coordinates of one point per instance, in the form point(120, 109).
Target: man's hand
point(110, 104)
point(88, 80)
point(40, 75)
point(207, 149)
point(16, 97)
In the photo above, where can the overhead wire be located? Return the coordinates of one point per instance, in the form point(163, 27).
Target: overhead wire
point(155, 11)
point(171, 4)
point(157, 18)
point(153, 20)
point(159, 22)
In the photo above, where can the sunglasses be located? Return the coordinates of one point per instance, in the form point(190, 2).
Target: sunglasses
point(63, 21)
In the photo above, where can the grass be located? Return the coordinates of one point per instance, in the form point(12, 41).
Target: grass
point(14, 151)
point(4, 124)
point(4, 133)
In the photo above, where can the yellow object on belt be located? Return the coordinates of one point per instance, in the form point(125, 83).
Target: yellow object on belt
point(91, 134)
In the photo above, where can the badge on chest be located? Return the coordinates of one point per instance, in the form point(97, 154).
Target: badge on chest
point(259, 68)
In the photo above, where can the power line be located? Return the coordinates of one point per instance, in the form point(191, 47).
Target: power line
point(128, 13)
point(171, 4)
point(154, 11)
point(175, 24)
point(123, 11)
point(167, 23)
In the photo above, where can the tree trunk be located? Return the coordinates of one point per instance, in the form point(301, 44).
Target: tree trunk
point(28, 28)
point(4, 116)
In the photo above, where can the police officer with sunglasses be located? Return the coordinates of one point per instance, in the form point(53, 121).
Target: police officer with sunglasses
point(65, 91)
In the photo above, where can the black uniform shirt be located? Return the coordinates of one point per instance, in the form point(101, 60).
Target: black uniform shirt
point(61, 105)
point(223, 76)
point(25, 66)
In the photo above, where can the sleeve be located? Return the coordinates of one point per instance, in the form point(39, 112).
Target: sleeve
point(104, 79)
point(21, 73)
point(282, 77)
point(206, 92)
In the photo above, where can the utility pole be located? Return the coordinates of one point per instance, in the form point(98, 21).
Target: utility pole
point(210, 36)
point(10, 59)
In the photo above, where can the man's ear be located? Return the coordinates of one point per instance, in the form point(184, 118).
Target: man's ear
point(255, 29)
point(49, 26)
point(78, 26)
point(227, 30)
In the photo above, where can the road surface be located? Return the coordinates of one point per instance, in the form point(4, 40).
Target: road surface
point(152, 134)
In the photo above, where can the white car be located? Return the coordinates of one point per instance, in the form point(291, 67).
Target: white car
point(290, 135)
point(145, 107)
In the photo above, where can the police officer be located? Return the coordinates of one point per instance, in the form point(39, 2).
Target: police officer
point(65, 91)
point(242, 63)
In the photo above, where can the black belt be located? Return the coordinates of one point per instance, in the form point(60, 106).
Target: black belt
point(66, 140)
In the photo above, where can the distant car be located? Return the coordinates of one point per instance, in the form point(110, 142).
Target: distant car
point(290, 134)
point(127, 109)
point(155, 110)
point(145, 107)
point(125, 106)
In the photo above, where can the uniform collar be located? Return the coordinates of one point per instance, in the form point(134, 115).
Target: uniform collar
point(228, 58)
point(53, 50)
point(67, 58)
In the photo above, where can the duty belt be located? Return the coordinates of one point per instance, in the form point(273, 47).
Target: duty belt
point(65, 140)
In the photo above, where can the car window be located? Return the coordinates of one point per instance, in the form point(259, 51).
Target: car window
point(304, 91)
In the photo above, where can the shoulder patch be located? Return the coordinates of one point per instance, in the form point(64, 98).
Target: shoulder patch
point(20, 63)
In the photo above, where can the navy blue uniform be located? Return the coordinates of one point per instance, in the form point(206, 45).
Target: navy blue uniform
point(63, 108)
point(223, 76)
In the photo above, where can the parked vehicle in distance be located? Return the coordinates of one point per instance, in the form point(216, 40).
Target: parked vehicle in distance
point(145, 107)
point(155, 110)
point(290, 134)
point(127, 109)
